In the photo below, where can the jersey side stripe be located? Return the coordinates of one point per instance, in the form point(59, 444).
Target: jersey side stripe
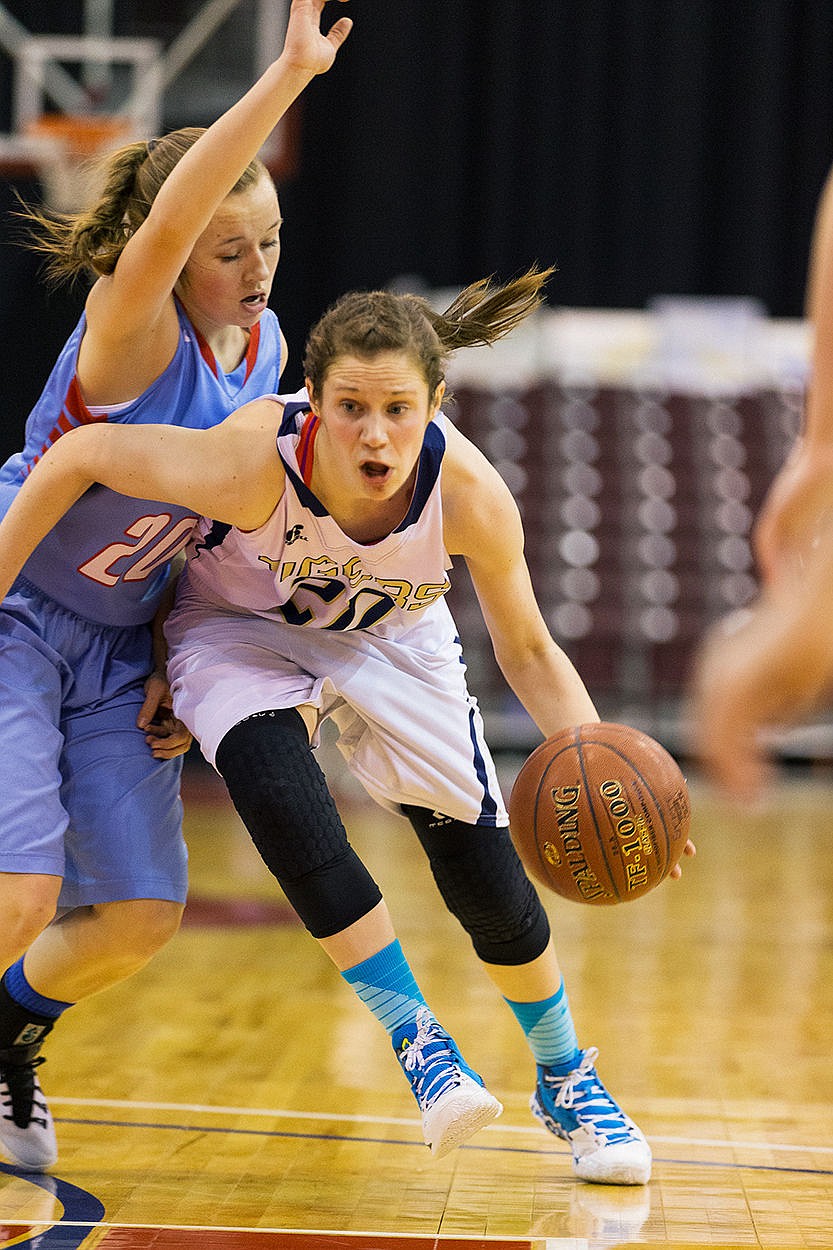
point(75, 412)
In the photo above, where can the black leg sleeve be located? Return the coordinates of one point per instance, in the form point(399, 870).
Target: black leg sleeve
point(281, 795)
point(484, 884)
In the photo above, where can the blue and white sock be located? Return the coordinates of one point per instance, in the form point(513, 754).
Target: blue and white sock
point(386, 985)
point(550, 1031)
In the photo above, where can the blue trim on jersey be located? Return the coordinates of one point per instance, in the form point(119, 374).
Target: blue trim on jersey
point(430, 463)
point(311, 502)
point(290, 425)
point(215, 537)
point(290, 412)
point(488, 808)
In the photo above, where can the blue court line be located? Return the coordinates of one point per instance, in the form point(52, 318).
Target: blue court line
point(393, 1141)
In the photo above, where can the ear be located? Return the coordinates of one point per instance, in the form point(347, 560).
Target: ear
point(313, 400)
point(437, 399)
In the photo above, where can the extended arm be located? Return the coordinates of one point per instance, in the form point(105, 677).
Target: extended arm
point(231, 472)
point(484, 526)
point(131, 308)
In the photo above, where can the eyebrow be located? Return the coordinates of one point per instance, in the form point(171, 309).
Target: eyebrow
point(394, 392)
point(404, 388)
point(235, 238)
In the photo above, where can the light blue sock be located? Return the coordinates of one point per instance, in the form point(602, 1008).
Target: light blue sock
point(386, 985)
point(550, 1031)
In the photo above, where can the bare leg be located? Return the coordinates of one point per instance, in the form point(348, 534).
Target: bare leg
point(528, 983)
point(90, 948)
point(85, 950)
point(27, 904)
point(359, 941)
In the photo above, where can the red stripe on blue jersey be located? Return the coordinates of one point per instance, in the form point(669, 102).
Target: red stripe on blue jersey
point(250, 357)
point(74, 413)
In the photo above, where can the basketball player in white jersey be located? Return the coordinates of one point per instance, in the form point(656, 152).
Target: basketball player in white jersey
point(318, 590)
point(182, 246)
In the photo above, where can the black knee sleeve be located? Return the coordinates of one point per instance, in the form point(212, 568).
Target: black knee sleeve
point(483, 884)
point(281, 796)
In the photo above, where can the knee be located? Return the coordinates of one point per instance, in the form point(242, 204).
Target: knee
point(157, 921)
point(282, 798)
point(137, 927)
point(484, 884)
point(28, 902)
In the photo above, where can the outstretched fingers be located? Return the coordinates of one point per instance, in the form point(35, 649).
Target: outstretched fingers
point(305, 44)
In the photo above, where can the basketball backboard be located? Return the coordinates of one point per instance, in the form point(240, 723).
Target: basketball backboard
point(76, 96)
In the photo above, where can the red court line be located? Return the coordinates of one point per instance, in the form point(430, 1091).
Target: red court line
point(217, 1239)
point(249, 1239)
point(207, 913)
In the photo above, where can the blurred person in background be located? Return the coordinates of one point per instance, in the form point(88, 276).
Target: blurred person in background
point(771, 665)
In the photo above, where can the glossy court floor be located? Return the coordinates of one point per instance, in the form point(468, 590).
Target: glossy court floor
point(234, 1096)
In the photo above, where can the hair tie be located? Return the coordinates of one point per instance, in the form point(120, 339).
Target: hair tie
point(151, 145)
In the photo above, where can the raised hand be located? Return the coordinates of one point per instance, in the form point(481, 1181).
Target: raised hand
point(305, 45)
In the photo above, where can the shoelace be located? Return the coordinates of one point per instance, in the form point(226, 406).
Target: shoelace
point(20, 1083)
point(581, 1092)
point(440, 1063)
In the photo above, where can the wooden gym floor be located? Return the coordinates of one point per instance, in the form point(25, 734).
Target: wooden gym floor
point(234, 1095)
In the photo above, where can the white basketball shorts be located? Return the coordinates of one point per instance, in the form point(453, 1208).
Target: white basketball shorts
point(408, 727)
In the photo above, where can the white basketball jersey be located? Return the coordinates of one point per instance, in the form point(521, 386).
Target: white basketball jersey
point(297, 613)
point(302, 569)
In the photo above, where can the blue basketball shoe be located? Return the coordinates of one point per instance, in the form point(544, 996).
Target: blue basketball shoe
point(607, 1146)
point(451, 1097)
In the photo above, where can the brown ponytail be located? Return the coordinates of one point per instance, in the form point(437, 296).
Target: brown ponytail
point(91, 241)
point(365, 323)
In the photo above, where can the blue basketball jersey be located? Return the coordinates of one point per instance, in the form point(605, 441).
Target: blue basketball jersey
point(107, 559)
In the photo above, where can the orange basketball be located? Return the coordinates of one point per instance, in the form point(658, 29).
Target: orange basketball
point(600, 813)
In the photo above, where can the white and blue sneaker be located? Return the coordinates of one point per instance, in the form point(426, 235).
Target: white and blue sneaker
point(452, 1098)
point(607, 1146)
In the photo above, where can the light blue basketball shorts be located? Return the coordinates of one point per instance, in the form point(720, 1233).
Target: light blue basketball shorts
point(81, 796)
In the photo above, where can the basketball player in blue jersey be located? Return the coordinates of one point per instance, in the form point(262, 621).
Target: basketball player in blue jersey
point(182, 246)
point(318, 590)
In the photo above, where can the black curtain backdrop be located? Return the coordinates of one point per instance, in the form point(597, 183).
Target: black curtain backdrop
point(643, 146)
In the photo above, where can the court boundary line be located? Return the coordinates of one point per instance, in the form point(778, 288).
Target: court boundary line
point(474, 1146)
point(399, 1122)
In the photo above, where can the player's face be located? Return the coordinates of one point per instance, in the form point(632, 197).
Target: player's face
point(374, 412)
point(228, 276)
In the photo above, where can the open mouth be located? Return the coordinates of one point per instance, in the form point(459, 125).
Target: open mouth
point(375, 470)
point(258, 300)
